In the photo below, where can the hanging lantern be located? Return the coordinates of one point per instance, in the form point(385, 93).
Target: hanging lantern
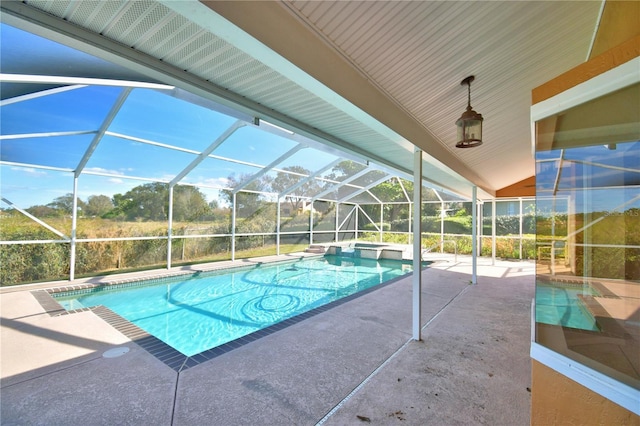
point(470, 123)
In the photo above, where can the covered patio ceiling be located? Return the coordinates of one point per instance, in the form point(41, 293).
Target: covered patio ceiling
point(374, 78)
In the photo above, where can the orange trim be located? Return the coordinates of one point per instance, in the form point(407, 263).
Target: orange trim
point(596, 66)
point(524, 188)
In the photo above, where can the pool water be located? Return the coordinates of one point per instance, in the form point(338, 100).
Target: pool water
point(206, 310)
point(559, 305)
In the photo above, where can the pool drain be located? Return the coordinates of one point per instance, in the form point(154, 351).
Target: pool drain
point(115, 352)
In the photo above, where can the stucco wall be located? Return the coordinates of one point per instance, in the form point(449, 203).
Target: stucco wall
point(558, 400)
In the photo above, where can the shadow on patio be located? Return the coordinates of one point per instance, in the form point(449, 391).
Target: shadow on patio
point(351, 364)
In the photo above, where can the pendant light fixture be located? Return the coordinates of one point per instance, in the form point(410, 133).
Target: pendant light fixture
point(470, 123)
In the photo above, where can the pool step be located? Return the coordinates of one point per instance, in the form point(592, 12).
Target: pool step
point(315, 248)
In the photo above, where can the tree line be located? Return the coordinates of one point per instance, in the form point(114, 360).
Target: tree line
point(150, 201)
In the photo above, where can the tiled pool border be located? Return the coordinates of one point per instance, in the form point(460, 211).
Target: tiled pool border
point(161, 350)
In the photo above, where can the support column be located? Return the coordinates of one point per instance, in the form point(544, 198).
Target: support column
point(474, 235)
point(493, 231)
point(337, 226)
point(381, 222)
point(357, 211)
point(442, 215)
point(520, 232)
point(233, 227)
point(74, 227)
point(311, 223)
point(170, 229)
point(417, 243)
point(278, 229)
point(410, 222)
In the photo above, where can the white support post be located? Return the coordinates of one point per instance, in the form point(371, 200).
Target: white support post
point(381, 222)
point(442, 216)
point(74, 227)
point(520, 251)
point(474, 235)
point(170, 229)
point(311, 223)
point(493, 231)
point(417, 244)
point(356, 211)
point(233, 226)
point(410, 222)
point(480, 212)
point(278, 228)
point(337, 221)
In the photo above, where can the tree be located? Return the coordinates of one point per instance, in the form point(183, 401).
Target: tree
point(246, 202)
point(42, 211)
point(151, 202)
point(98, 205)
point(345, 169)
point(189, 203)
point(147, 202)
point(391, 191)
point(64, 204)
point(284, 181)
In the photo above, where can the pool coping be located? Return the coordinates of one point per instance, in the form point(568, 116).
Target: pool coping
point(162, 351)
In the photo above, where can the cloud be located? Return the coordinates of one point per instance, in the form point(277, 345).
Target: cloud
point(105, 171)
point(220, 182)
point(30, 171)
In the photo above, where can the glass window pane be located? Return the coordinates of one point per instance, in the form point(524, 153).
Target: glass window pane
point(588, 249)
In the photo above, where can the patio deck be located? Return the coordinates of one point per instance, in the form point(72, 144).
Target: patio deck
point(353, 364)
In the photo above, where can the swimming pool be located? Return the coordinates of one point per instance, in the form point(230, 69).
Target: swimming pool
point(205, 310)
point(559, 305)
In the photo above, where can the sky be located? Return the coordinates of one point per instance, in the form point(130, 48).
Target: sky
point(146, 115)
point(149, 115)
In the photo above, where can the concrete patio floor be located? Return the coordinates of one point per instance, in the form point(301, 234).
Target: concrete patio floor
point(353, 364)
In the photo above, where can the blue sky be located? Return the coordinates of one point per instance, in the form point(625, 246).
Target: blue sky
point(146, 114)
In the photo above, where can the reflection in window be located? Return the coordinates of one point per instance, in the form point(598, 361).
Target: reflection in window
point(588, 256)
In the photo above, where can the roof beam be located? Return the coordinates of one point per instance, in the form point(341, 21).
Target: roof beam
point(40, 94)
point(344, 182)
point(366, 188)
point(103, 128)
point(204, 154)
point(268, 168)
point(310, 177)
point(54, 79)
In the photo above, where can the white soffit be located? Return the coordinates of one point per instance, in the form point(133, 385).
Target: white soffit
point(419, 52)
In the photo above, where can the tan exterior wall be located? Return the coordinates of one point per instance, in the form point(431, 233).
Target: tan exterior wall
point(558, 400)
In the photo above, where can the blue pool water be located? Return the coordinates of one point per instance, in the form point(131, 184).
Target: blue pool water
point(201, 312)
point(559, 305)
